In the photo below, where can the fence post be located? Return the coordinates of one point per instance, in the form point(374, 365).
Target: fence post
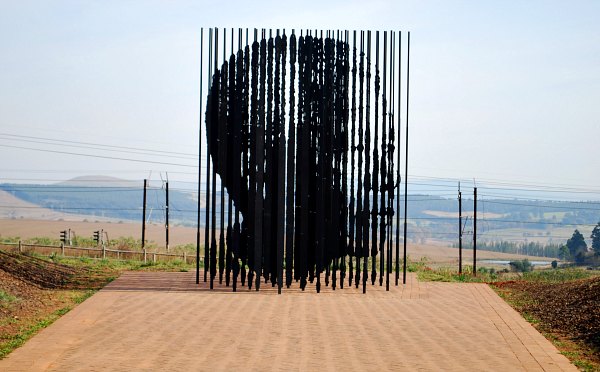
point(20, 247)
point(154, 257)
point(144, 255)
point(62, 249)
point(103, 251)
point(184, 258)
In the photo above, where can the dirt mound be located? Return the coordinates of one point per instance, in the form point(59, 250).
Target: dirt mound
point(36, 271)
point(46, 274)
point(571, 307)
point(19, 295)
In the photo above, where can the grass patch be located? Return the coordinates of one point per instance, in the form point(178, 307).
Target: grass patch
point(450, 274)
point(98, 272)
point(6, 299)
point(559, 275)
point(542, 294)
point(490, 275)
point(116, 265)
point(584, 365)
point(8, 343)
point(14, 341)
point(522, 291)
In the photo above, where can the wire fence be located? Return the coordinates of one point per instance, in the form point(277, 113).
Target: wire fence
point(100, 252)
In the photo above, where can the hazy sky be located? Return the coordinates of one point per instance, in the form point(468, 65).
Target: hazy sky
point(500, 90)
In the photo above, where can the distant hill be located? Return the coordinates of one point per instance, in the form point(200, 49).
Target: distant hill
point(431, 218)
point(12, 207)
point(99, 181)
point(105, 197)
point(436, 218)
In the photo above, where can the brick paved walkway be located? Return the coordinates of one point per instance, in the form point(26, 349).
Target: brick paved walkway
point(162, 321)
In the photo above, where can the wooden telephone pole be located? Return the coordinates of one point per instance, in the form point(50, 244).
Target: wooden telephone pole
point(475, 231)
point(460, 230)
point(144, 216)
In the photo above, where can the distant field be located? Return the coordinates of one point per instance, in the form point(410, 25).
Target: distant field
point(27, 228)
point(465, 214)
point(15, 208)
point(556, 235)
point(557, 215)
point(448, 256)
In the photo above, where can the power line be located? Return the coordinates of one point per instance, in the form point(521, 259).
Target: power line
point(564, 187)
point(99, 147)
point(542, 223)
point(127, 148)
point(532, 198)
point(99, 156)
point(542, 206)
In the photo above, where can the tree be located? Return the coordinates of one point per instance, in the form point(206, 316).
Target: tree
point(563, 253)
point(577, 247)
point(596, 239)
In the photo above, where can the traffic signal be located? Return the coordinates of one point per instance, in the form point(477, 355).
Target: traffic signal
point(63, 236)
point(96, 236)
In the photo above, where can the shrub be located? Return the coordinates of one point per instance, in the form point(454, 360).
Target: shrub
point(522, 266)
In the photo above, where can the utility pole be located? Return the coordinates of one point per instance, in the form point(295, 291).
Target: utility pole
point(460, 230)
point(144, 217)
point(475, 232)
point(167, 215)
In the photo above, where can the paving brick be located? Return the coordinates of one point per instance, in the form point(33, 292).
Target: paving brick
point(165, 322)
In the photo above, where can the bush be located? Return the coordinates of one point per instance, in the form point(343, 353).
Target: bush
point(522, 266)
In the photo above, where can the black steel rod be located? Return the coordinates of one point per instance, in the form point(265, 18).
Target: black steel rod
point(280, 123)
point(207, 194)
point(392, 180)
point(199, 161)
point(260, 143)
point(238, 173)
point(252, 171)
point(367, 182)
point(389, 164)
point(291, 149)
point(223, 155)
point(359, 203)
point(213, 244)
point(398, 177)
point(406, 159)
point(344, 88)
point(375, 174)
point(352, 215)
point(383, 168)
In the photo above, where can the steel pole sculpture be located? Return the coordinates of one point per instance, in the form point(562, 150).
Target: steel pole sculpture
point(398, 177)
point(310, 183)
point(406, 166)
point(208, 174)
point(199, 164)
point(352, 218)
